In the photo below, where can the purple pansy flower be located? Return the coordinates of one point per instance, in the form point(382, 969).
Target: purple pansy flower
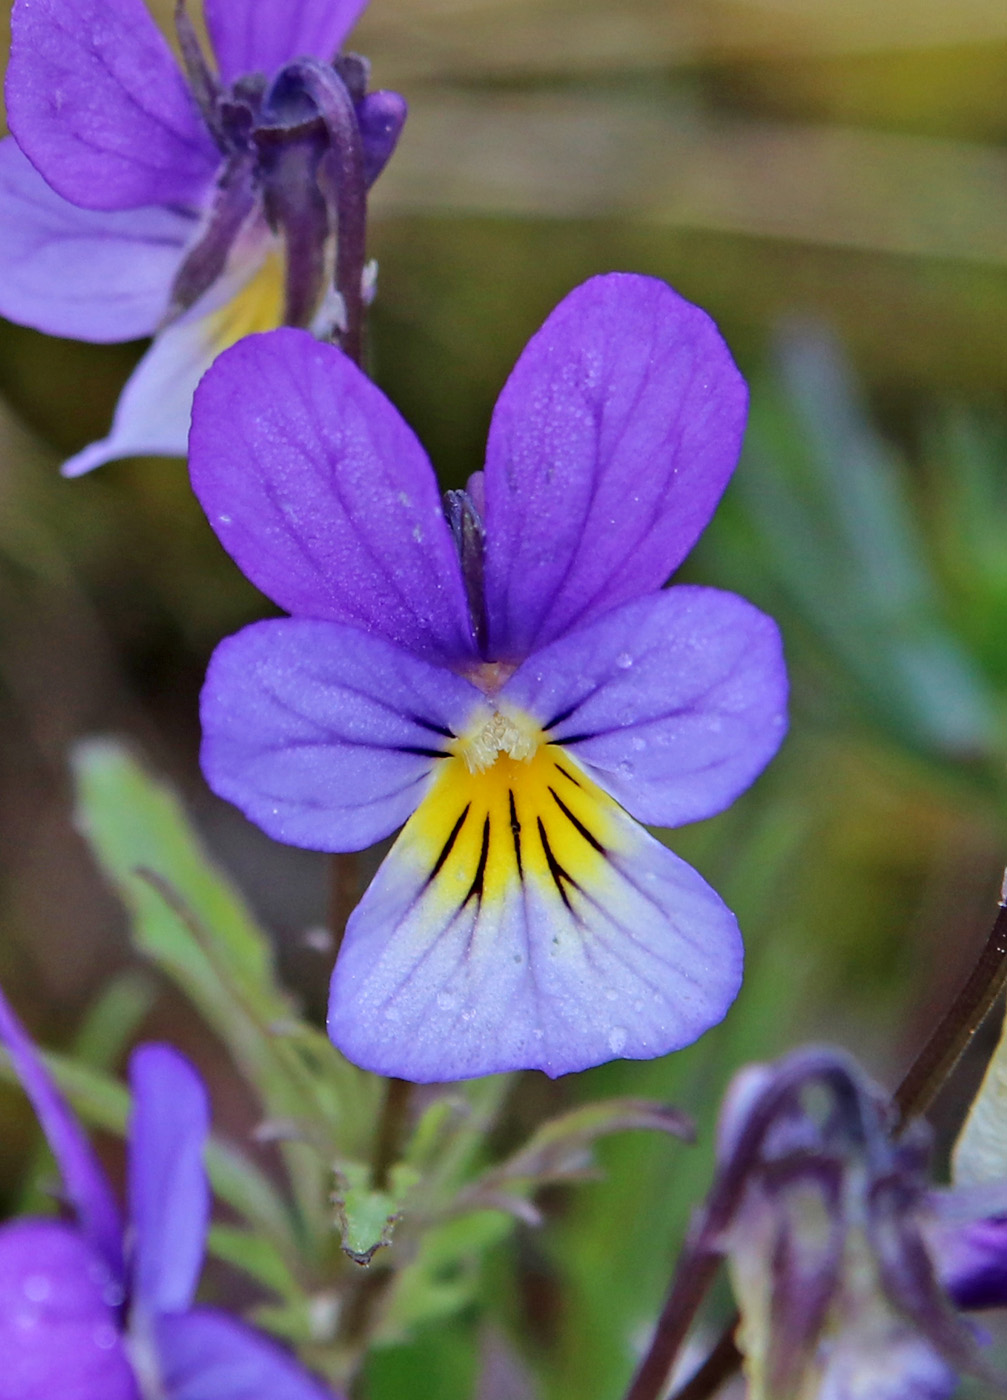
point(511, 682)
point(134, 202)
point(849, 1267)
point(97, 1311)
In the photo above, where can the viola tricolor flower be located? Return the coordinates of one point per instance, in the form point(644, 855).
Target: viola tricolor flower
point(510, 681)
point(137, 199)
point(96, 1310)
point(850, 1268)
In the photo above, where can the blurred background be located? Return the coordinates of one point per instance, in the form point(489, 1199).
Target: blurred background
point(830, 182)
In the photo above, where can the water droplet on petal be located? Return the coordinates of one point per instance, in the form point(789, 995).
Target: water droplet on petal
point(417, 534)
point(446, 1001)
point(624, 661)
point(104, 1336)
point(36, 1288)
point(223, 520)
point(625, 768)
point(637, 743)
point(617, 1038)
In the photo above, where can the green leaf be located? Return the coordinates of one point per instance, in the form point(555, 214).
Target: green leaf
point(259, 1258)
point(367, 1217)
point(188, 918)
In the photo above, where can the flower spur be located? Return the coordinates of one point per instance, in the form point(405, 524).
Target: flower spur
point(196, 207)
point(515, 689)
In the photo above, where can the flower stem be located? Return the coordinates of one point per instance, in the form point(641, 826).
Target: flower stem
point(391, 1131)
point(957, 1026)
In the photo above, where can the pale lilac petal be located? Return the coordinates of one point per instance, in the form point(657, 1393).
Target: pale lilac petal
point(152, 415)
point(169, 1195)
point(323, 496)
point(59, 1320)
point(86, 1185)
point(99, 106)
point(609, 449)
point(81, 273)
point(251, 36)
point(324, 736)
point(674, 703)
point(550, 934)
point(206, 1355)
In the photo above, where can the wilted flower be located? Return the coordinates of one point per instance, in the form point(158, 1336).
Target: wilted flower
point(848, 1265)
point(134, 202)
point(514, 682)
point(94, 1310)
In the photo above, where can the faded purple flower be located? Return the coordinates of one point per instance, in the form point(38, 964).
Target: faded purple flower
point(99, 1310)
point(513, 685)
point(849, 1267)
point(137, 199)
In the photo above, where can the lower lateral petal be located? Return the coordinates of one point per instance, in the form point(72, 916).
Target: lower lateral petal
point(323, 735)
point(207, 1355)
point(524, 921)
point(153, 412)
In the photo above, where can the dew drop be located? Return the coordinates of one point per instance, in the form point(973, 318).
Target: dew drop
point(25, 1321)
point(36, 1288)
point(538, 1033)
point(446, 1001)
point(617, 1038)
point(223, 520)
point(611, 994)
point(404, 499)
point(625, 768)
point(104, 1336)
point(417, 534)
point(638, 743)
point(624, 661)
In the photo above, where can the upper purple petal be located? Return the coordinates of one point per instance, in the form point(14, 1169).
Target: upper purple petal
point(169, 1195)
point(260, 36)
point(323, 496)
point(59, 1320)
point(674, 702)
point(86, 1185)
point(99, 105)
point(82, 273)
point(323, 735)
point(206, 1355)
point(609, 448)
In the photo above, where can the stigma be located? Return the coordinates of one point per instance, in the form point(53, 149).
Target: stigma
point(515, 736)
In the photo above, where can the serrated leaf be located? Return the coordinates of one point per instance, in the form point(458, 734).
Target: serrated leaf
point(561, 1149)
point(367, 1217)
point(189, 919)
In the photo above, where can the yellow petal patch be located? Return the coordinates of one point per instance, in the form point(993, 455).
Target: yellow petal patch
point(531, 814)
point(257, 305)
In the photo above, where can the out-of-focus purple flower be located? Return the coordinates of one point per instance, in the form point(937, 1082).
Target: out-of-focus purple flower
point(512, 680)
point(99, 1309)
point(196, 207)
point(848, 1266)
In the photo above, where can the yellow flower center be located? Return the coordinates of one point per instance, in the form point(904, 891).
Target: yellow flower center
point(257, 305)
